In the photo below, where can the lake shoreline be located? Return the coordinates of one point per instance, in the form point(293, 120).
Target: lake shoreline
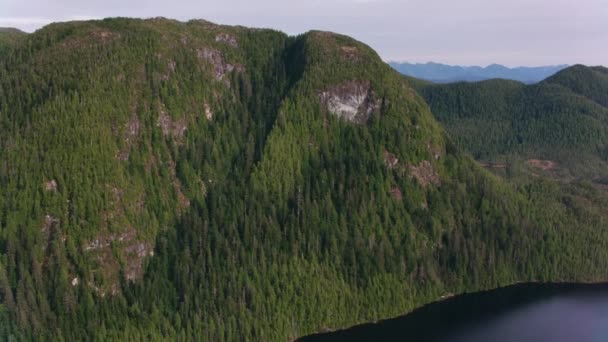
point(527, 288)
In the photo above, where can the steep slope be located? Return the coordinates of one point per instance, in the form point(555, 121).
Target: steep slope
point(562, 120)
point(98, 121)
point(176, 180)
point(442, 73)
point(589, 82)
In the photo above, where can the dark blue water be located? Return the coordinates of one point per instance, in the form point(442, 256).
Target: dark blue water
point(519, 313)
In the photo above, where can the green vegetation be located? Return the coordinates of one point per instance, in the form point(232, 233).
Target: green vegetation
point(562, 119)
point(9, 37)
point(268, 216)
point(589, 82)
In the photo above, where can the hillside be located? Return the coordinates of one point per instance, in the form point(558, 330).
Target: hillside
point(589, 82)
point(9, 37)
point(442, 73)
point(559, 125)
point(171, 180)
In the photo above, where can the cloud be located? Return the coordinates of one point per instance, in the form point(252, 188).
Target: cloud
point(8, 21)
point(465, 31)
point(361, 1)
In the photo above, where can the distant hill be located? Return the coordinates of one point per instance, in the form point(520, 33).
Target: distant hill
point(442, 73)
point(562, 120)
point(590, 82)
point(9, 36)
point(11, 30)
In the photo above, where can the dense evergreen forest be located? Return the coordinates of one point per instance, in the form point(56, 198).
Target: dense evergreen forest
point(562, 120)
point(169, 180)
point(8, 38)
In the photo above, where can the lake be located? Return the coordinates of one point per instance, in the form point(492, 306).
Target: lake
point(522, 313)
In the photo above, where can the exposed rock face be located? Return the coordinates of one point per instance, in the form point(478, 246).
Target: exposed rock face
point(130, 136)
point(390, 160)
point(135, 254)
point(208, 112)
point(132, 127)
point(227, 38)
point(171, 65)
point(545, 165)
point(104, 241)
point(217, 60)
point(105, 35)
point(131, 251)
point(170, 127)
point(49, 221)
point(352, 100)
point(50, 185)
point(350, 53)
point(396, 193)
point(425, 173)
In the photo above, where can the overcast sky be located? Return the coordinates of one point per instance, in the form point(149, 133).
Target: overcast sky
point(466, 32)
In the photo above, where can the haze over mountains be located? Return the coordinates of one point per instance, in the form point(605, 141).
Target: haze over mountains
point(192, 181)
point(442, 73)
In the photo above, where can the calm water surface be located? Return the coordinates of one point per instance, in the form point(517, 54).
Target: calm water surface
point(522, 313)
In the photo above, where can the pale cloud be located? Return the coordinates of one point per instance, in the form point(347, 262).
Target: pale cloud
point(512, 32)
point(24, 21)
point(31, 23)
point(362, 1)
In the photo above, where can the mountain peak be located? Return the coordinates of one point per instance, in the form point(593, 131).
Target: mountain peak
point(11, 30)
point(9, 37)
point(590, 82)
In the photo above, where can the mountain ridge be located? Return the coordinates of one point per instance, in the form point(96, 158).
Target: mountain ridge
point(442, 73)
point(9, 37)
point(562, 118)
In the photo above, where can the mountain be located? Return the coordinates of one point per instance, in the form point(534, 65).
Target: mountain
point(11, 32)
point(561, 122)
point(589, 82)
point(186, 180)
point(441, 73)
point(9, 37)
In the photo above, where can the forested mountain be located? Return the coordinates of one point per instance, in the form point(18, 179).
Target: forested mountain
point(170, 180)
point(442, 73)
point(561, 124)
point(588, 82)
point(9, 37)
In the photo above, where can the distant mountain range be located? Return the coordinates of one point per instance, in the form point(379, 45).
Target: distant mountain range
point(442, 73)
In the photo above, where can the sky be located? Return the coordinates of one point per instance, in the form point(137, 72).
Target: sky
point(464, 32)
